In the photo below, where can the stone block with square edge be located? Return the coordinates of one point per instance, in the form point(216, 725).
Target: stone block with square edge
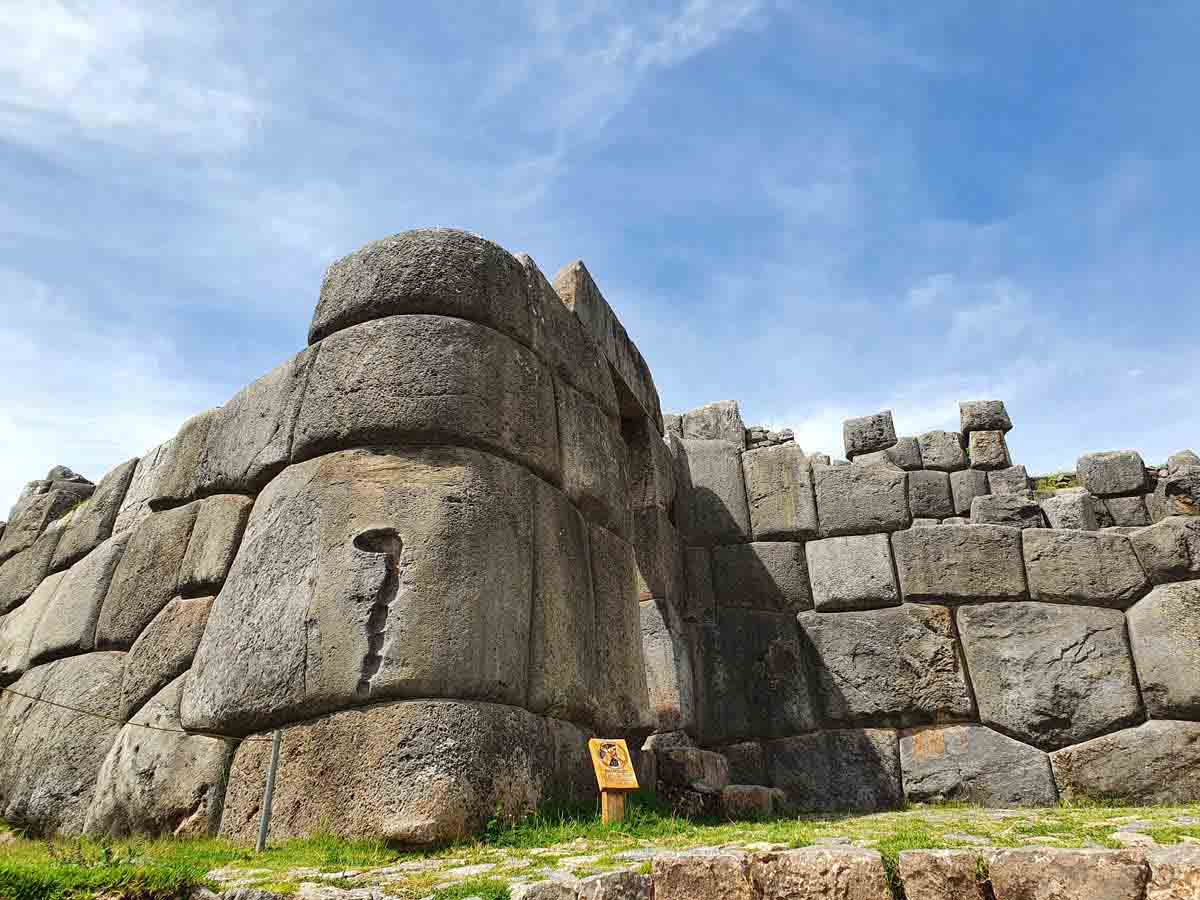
point(766, 575)
point(779, 489)
point(966, 485)
point(988, 450)
point(861, 499)
point(1164, 634)
point(1112, 473)
point(974, 764)
point(720, 421)
point(1013, 480)
point(1096, 568)
point(942, 451)
point(1126, 512)
point(1015, 510)
point(1073, 508)
point(929, 494)
point(960, 563)
point(1157, 762)
point(839, 770)
point(714, 509)
point(867, 434)
point(1170, 549)
point(983, 415)
point(852, 572)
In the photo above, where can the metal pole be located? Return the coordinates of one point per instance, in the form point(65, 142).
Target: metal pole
point(269, 792)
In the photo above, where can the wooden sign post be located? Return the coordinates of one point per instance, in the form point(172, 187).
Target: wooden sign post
point(614, 775)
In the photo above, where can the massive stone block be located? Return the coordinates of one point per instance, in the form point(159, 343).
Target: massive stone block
point(1013, 480)
point(669, 677)
point(1015, 510)
point(18, 627)
point(652, 465)
point(50, 757)
point(1170, 549)
point(966, 485)
point(851, 873)
point(145, 579)
point(636, 392)
point(771, 576)
point(701, 604)
point(973, 764)
point(177, 475)
point(929, 494)
point(21, 573)
point(779, 488)
point(1049, 675)
point(957, 563)
point(942, 451)
point(429, 379)
point(1179, 493)
point(156, 781)
point(715, 510)
point(988, 450)
point(163, 651)
point(861, 499)
point(93, 520)
point(905, 453)
point(136, 505)
point(34, 512)
point(898, 666)
point(853, 572)
point(1174, 871)
point(1071, 508)
point(415, 772)
point(1156, 762)
point(706, 874)
point(751, 678)
point(370, 574)
point(1048, 873)
point(941, 874)
point(867, 434)
point(1126, 512)
point(213, 544)
point(1164, 633)
point(1094, 568)
point(851, 769)
point(1112, 473)
point(747, 762)
point(595, 462)
point(660, 557)
point(720, 421)
point(71, 626)
point(983, 415)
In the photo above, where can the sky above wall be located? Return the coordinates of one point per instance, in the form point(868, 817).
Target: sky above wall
point(820, 210)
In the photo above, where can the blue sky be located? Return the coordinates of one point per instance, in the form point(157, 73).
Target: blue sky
point(820, 210)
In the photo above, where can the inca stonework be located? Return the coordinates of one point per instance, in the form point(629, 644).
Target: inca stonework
point(455, 536)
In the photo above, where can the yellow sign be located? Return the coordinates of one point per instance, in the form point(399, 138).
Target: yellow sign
point(614, 769)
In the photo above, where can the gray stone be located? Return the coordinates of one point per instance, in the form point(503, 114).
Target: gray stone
point(1182, 460)
point(145, 579)
point(213, 543)
point(748, 802)
point(18, 627)
point(747, 762)
point(1048, 873)
point(940, 874)
point(751, 678)
point(668, 666)
point(868, 433)
point(93, 520)
point(1094, 568)
point(250, 441)
point(163, 651)
point(720, 421)
point(843, 770)
point(956, 520)
point(1049, 675)
point(595, 462)
point(673, 424)
point(701, 602)
point(1112, 473)
point(853, 572)
point(1170, 549)
point(652, 465)
point(1126, 512)
point(619, 885)
point(33, 513)
point(177, 478)
point(966, 485)
point(929, 494)
point(21, 573)
point(847, 873)
point(861, 499)
point(905, 453)
point(135, 507)
point(156, 781)
point(822, 459)
point(1071, 508)
point(660, 557)
point(960, 563)
point(715, 509)
point(1013, 480)
point(684, 766)
point(544, 890)
point(897, 666)
point(925, 523)
point(50, 757)
point(988, 450)
point(1179, 493)
point(636, 392)
point(414, 772)
point(1164, 634)
point(1174, 872)
point(877, 458)
point(390, 382)
point(368, 575)
point(71, 628)
point(779, 488)
point(983, 415)
point(1007, 509)
point(770, 576)
point(942, 450)
point(973, 764)
point(1156, 762)
point(706, 874)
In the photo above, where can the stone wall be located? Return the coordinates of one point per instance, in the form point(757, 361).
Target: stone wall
point(455, 536)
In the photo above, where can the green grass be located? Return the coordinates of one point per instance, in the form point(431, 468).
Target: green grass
point(1045, 485)
point(165, 869)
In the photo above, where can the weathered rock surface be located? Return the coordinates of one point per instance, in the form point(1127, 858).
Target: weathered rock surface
point(146, 577)
point(942, 450)
point(1179, 493)
point(155, 781)
point(1170, 549)
point(1094, 568)
point(747, 762)
point(619, 885)
point(595, 462)
point(213, 544)
point(1013, 480)
point(93, 520)
point(47, 501)
point(1156, 762)
point(779, 488)
point(1164, 634)
point(163, 651)
point(720, 421)
point(867, 434)
point(1174, 872)
point(177, 475)
point(853, 572)
point(1126, 512)
point(897, 666)
point(668, 663)
point(703, 875)
point(861, 499)
point(851, 769)
point(988, 450)
point(416, 772)
point(974, 764)
point(22, 572)
point(18, 627)
point(1071, 508)
point(941, 874)
point(652, 480)
point(742, 802)
point(905, 453)
point(714, 509)
point(929, 494)
point(956, 563)
point(771, 576)
point(1112, 473)
point(661, 554)
point(701, 605)
point(50, 757)
point(136, 505)
point(843, 872)
point(684, 766)
point(1014, 510)
point(370, 574)
point(1048, 873)
point(387, 382)
point(965, 486)
point(983, 415)
point(1047, 674)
